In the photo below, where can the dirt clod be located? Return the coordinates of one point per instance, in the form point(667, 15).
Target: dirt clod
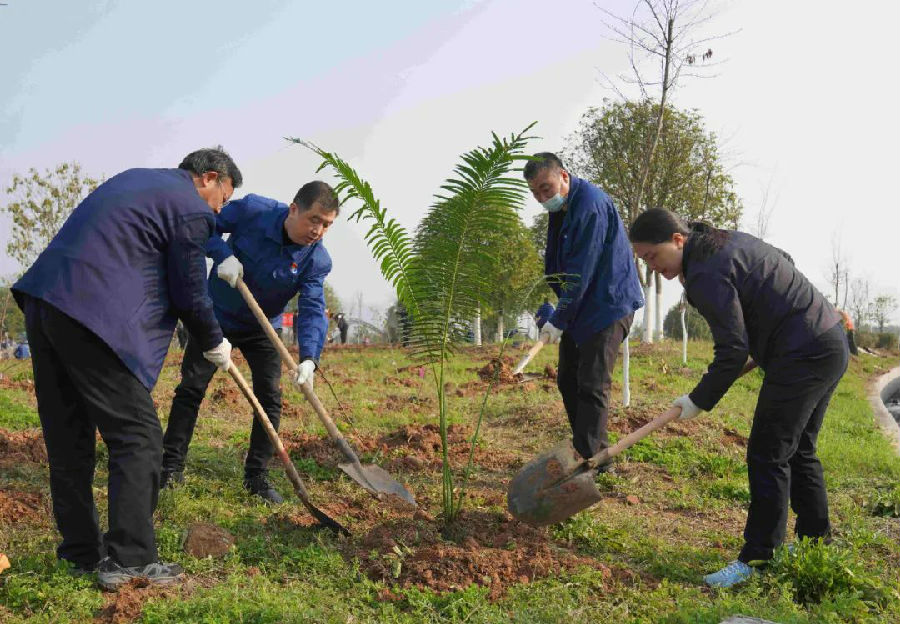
point(207, 540)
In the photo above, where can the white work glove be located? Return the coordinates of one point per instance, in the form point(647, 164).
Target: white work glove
point(550, 333)
point(688, 408)
point(305, 373)
point(230, 270)
point(220, 355)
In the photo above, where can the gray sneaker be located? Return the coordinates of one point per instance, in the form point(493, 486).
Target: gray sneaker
point(111, 575)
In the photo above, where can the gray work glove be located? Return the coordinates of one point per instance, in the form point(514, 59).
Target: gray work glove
point(688, 408)
point(305, 373)
point(230, 270)
point(220, 355)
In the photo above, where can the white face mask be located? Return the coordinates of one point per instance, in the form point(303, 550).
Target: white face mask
point(554, 204)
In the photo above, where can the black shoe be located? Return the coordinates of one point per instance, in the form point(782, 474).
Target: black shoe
point(169, 478)
point(259, 485)
point(110, 575)
point(609, 469)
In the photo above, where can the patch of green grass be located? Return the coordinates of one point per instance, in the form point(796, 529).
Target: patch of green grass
point(15, 413)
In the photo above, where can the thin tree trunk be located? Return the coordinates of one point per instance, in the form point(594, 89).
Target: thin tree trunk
point(648, 316)
point(684, 334)
point(476, 326)
point(500, 331)
point(626, 387)
point(658, 330)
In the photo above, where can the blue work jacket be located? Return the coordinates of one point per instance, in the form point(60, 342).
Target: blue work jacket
point(274, 272)
point(587, 242)
point(128, 262)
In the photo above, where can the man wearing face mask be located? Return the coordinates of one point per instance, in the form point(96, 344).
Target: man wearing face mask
point(277, 250)
point(598, 293)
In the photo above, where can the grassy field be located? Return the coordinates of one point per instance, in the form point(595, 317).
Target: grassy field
point(673, 511)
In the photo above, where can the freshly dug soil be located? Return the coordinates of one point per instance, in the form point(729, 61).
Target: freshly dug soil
point(500, 370)
point(26, 446)
point(207, 540)
point(22, 507)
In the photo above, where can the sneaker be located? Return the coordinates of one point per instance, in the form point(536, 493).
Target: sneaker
point(259, 485)
point(110, 575)
point(732, 574)
point(168, 478)
point(608, 468)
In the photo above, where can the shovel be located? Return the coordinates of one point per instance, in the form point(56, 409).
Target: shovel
point(299, 488)
point(533, 351)
point(560, 483)
point(373, 478)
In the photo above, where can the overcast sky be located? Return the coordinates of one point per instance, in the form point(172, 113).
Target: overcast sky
point(805, 103)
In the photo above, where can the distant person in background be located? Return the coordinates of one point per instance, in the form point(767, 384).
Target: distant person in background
point(543, 313)
point(22, 351)
point(343, 326)
point(849, 328)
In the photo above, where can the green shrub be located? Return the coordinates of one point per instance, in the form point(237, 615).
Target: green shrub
point(885, 502)
point(821, 572)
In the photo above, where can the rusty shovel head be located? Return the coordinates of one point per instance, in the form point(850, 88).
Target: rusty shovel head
point(376, 480)
point(552, 487)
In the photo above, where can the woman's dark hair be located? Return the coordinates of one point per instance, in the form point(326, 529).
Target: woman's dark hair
point(657, 225)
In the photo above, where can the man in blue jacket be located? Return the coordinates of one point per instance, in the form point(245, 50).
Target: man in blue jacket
point(278, 251)
point(100, 307)
point(598, 293)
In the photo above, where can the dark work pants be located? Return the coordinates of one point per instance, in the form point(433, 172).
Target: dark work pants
point(584, 379)
point(197, 372)
point(781, 452)
point(82, 386)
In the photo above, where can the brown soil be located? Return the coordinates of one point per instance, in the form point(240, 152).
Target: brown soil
point(17, 447)
point(730, 436)
point(125, 604)
point(411, 448)
point(501, 370)
point(207, 540)
point(550, 371)
point(483, 548)
point(22, 507)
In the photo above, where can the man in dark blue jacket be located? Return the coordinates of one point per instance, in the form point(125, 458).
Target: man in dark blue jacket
point(278, 251)
point(100, 307)
point(598, 293)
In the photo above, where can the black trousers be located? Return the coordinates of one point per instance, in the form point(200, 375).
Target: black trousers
point(584, 379)
point(781, 452)
point(197, 372)
point(82, 386)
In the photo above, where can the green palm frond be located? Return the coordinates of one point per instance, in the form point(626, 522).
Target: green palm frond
point(455, 263)
point(386, 238)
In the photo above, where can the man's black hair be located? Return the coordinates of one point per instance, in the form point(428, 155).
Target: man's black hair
point(317, 191)
point(213, 159)
point(543, 160)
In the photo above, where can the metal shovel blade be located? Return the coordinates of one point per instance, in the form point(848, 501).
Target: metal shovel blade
point(552, 487)
point(376, 480)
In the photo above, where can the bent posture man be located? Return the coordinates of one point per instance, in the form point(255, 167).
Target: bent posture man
point(278, 251)
point(598, 294)
point(100, 307)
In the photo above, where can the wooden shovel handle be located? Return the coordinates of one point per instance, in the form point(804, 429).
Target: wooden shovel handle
point(528, 357)
point(263, 419)
point(657, 423)
point(289, 362)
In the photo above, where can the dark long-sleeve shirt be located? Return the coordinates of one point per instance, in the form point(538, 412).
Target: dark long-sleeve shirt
point(128, 262)
point(757, 304)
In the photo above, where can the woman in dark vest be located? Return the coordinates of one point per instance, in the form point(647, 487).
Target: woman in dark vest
point(762, 311)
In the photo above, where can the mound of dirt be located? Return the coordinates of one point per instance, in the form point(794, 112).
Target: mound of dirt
point(418, 447)
point(207, 540)
point(125, 604)
point(498, 369)
point(483, 548)
point(17, 447)
point(22, 507)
